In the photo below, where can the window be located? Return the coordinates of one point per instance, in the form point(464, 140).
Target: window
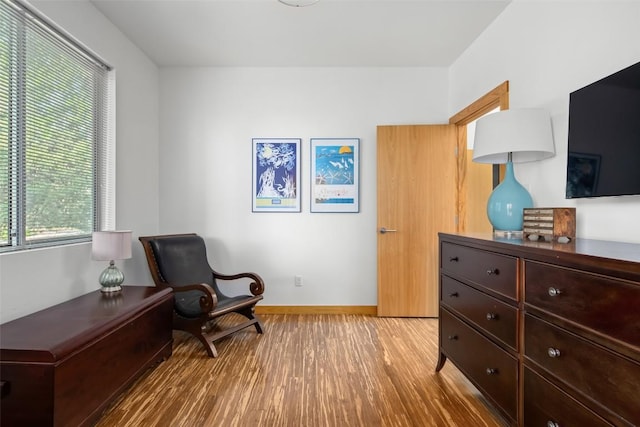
point(53, 133)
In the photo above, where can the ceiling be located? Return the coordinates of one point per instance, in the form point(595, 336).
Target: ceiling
point(330, 33)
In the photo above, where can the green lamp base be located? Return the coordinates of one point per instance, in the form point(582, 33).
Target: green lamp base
point(111, 279)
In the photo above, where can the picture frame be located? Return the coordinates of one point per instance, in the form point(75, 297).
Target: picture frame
point(335, 175)
point(276, 174)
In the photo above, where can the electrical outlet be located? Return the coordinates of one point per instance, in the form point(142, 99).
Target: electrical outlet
point(297, 280)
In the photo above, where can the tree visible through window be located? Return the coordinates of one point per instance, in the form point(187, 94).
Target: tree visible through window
point(53, 99)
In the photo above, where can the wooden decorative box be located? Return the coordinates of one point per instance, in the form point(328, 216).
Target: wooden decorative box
point(550, 224)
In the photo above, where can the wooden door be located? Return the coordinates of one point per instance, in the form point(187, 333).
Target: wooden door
point(417, 198)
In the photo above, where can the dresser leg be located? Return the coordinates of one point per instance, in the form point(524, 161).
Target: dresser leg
point(441, 360)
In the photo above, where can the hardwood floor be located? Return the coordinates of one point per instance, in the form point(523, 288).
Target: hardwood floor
point(311, 371)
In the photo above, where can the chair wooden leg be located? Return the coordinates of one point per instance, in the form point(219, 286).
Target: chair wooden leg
point(208, 345)
point(195, 328)
point(208, 333)
point(250, 313)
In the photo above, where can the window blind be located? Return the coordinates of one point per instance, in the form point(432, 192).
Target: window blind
point(53, 133)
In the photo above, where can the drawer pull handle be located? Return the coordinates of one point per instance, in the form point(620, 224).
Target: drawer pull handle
point(552, 424)
point(554, 292)
point(453, 295)
point(493, 271)
point(492, 371)
point(453, 259)
point(492, 316)
point(553, 352)
point(452, 337)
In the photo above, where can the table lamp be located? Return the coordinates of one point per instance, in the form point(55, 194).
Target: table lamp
point(512, 136)
point(111, 246)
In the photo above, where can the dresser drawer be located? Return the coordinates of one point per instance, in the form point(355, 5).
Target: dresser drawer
point(600, 374)
point(489, 367)
point(547, 405)
point(490, 270)
point(607, 305)
point(495, 317)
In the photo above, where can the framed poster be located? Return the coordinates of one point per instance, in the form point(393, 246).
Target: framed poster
point(335, 174)
point(276, 175)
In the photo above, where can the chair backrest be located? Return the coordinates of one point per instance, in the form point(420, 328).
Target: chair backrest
point(178, 260)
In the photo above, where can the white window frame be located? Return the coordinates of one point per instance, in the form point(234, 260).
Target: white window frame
point(103, 193)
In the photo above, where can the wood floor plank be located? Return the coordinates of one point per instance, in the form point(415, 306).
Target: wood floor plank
point(307, 370)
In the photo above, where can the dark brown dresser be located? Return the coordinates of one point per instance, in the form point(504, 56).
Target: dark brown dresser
point(548, 332)
point(63, 366)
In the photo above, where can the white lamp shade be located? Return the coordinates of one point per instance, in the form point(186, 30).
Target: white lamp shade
point(526, 133)
point(111, 245)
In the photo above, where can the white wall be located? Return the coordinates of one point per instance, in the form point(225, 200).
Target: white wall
point(36, 279)
point(547, 49)
point(208, 118)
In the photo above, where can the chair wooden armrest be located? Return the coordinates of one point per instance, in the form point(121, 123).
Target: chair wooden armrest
point(256, 286)
point(208, 300)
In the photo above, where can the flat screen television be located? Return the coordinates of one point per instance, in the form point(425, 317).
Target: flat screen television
point(604, 137)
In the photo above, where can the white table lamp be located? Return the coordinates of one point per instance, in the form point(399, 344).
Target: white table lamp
point(512, 136)
point(111, 246)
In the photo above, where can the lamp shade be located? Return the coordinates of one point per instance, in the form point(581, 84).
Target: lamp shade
point(111, 245)
point(525, 133)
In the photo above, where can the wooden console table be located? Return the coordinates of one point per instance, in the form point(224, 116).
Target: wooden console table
point(548, 332)
point(62, 366)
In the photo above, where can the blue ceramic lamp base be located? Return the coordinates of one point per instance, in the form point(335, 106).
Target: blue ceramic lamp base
point(506, 203)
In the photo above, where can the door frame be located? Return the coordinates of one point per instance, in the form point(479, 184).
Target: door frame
point(498, 97)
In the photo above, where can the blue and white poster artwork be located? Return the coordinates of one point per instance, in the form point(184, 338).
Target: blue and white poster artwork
point(276, 175)
point(335, 174)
